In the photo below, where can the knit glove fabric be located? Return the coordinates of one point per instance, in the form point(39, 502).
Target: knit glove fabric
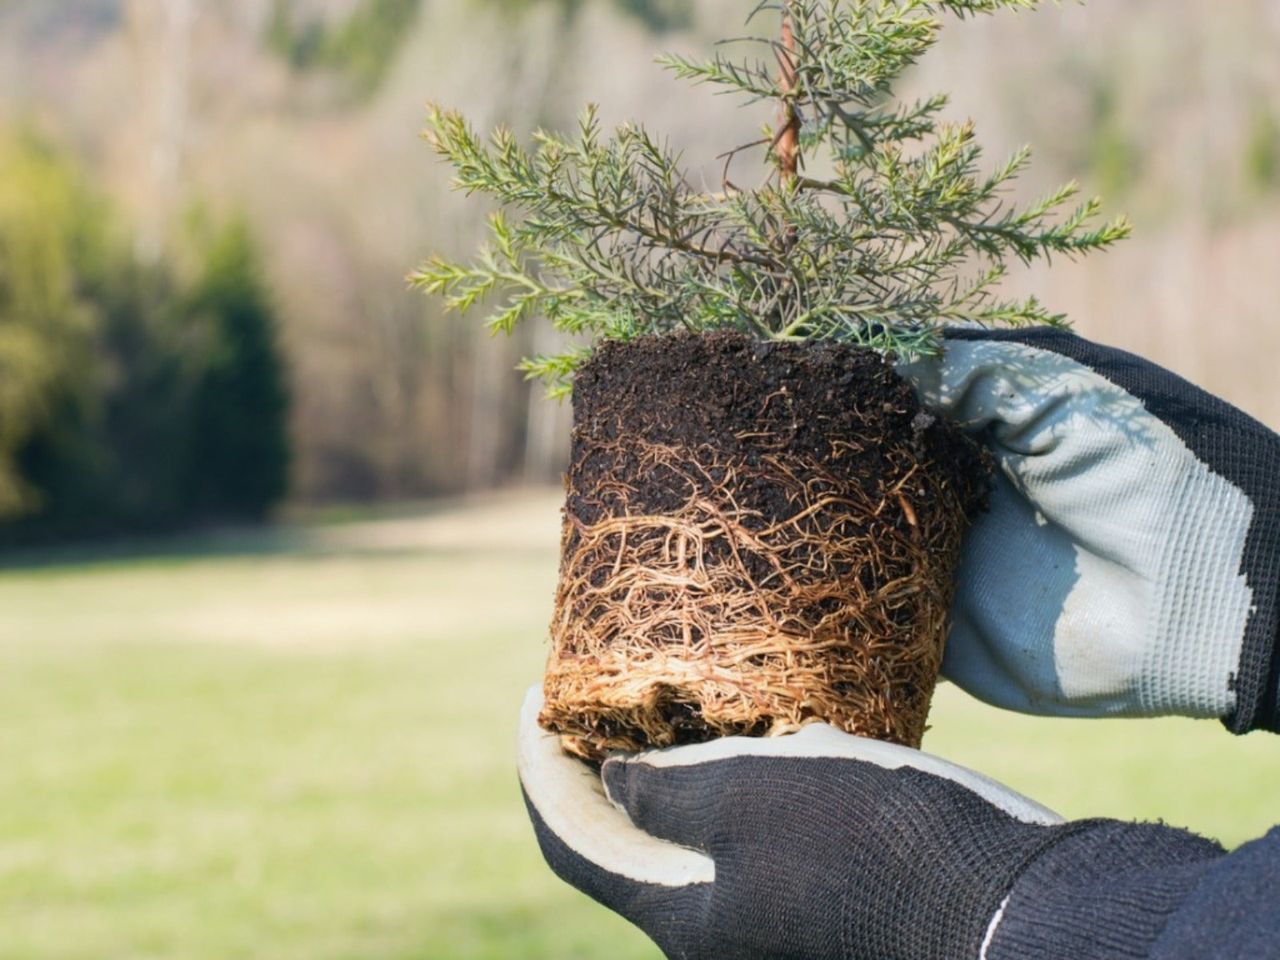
point(1130, 562)
point(814, 846)
point(1120, 891)
point(825, 846)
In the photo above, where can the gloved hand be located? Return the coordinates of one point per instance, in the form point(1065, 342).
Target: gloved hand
point(824, 846)
point(1130, 562)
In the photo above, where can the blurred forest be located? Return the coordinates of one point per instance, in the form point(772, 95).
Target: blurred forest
point(208, 208)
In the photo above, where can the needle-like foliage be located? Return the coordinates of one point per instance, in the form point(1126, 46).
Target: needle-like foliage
point(607, 237)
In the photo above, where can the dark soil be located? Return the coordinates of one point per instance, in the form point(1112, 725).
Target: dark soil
point(842, 405)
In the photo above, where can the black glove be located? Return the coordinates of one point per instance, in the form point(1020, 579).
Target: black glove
point(824, 846)
point(1130, 562)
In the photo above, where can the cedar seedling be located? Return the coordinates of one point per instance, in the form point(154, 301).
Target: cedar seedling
point(609, 238)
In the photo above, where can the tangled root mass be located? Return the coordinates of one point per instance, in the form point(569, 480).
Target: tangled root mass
point(756, 536)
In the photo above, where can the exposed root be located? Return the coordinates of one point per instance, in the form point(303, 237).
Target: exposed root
point(714, 619)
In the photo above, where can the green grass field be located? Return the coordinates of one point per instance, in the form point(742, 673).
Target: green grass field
point(298, 744)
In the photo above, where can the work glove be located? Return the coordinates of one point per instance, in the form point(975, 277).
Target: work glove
point(825, 846)
point(1129, 564)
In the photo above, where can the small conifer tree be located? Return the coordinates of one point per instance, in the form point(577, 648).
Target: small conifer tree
point(607, 237)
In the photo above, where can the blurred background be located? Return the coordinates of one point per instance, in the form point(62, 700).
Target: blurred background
point(278, 540)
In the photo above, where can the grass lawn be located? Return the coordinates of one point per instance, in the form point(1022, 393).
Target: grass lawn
point(297, 743)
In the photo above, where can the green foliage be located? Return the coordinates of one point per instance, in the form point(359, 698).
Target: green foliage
point(362, 47)
point(297, 43)
point(107, 458)
point(1262, 151)
point(608, 237)
point(657, 15)
point(1114, 155)
point(237, 449)
point(49, 229)
point(129, 400)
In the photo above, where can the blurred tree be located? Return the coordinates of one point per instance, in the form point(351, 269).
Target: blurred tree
point(655, 14)
point(106, 460)
point(361, 47)
point(236, 461)
point(128, 400)
point(1114, 156)
point(49, 227)
point(1262, 150)
point(659, 14)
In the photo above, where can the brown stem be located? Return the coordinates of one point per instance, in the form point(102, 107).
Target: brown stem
point(788, 146)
